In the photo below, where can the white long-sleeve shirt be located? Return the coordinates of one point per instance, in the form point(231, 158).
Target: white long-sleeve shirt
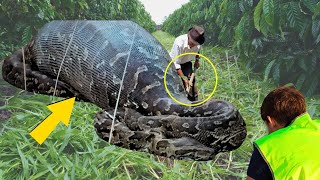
point(181, 46)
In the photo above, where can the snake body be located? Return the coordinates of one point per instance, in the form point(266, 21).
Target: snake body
point(87, 59)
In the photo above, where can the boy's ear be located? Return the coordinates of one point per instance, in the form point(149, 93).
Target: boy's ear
point(271, 121)
point(272, 124)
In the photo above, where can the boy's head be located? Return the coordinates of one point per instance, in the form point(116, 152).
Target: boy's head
point(282, 105)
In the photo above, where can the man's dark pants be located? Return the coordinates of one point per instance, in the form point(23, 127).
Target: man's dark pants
point(187, 71)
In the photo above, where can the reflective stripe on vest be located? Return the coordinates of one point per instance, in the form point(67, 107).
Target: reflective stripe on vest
point(293, 152)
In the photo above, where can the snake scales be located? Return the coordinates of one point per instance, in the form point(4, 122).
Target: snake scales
point(87, 60)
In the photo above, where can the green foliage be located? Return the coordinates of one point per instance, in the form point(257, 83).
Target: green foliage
point(293, 45)
point(277, 38)
point(257, 15)
point(196, 12)
point(295, 18)
point(26, 35)
point(268, 69)
point(20, 19)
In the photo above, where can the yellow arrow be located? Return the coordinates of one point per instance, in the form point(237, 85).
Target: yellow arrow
point(61, 111)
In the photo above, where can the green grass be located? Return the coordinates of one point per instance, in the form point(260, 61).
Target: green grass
point(76, 152)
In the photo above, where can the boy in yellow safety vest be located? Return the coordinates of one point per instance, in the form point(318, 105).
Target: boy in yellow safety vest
point(291, 150)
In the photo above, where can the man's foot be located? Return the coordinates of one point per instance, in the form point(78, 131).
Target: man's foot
point(192, 95)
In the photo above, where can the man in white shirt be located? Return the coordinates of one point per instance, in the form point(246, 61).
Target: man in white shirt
point(189, 42)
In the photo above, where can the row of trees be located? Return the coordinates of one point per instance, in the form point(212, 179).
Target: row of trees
point(20, 19)
point(280, 38)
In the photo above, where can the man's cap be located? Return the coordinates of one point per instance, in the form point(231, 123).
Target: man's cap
point(196, 35)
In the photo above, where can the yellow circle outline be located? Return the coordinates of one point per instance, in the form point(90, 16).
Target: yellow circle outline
point(165, 79)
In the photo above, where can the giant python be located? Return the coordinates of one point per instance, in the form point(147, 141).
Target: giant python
point(87, 59)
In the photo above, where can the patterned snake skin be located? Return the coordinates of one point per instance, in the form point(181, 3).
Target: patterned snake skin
point(87, 59)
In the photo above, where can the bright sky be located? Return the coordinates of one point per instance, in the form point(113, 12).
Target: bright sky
point(158, 9)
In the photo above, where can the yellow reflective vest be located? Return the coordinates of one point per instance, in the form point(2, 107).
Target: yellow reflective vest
point(293, 152)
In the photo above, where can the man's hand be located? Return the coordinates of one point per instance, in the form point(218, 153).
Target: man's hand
point(186, 83)
point(196, 64)
point(185, 79)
